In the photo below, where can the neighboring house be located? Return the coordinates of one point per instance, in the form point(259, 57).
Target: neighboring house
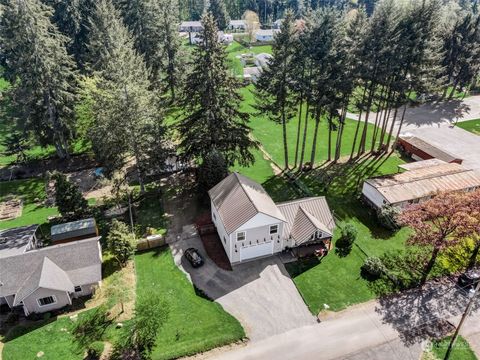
point(277, 24)
point(262, 60)
point(190, 26)
point(265, 35)
point(222, 37)
point(237, 25)
point(38, 280)
point(72, 231)
point(251, 73)
point(420, 181)
point(420, 149)
point(250, 225)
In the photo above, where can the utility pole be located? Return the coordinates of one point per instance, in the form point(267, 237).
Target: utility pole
point(464, 317)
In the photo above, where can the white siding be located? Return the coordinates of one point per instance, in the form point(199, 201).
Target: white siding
point(30, 303)
point(373, 195)
point(222, 233)
point(86, 290)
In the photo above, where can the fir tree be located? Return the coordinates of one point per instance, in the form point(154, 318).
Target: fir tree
point(68, 198)
point(274, 92)
point(219, 11)
point(127, 121)
point(36, 60)
point(212, 119)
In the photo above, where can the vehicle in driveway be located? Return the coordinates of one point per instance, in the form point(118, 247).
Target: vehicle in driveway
point(194, 257)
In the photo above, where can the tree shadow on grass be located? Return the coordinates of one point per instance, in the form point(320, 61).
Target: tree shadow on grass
point(300, 266)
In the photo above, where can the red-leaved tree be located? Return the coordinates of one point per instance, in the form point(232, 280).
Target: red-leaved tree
point(440, 222)
point(474, 225)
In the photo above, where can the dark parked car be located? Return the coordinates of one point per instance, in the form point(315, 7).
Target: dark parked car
point(194, 257)
point(468, 280)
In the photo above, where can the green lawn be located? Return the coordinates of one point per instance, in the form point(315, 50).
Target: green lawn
point(270, 134)
point(472, 125)
point(32, 192)
point(336, 281)
point(461, 351)
point(52, 337)
point(236, 48)
point(194, 324)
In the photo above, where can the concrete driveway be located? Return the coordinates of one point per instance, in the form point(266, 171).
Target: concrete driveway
point(454, 140)
point(260, 294)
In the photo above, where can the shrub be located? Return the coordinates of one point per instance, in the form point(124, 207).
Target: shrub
point(373, 267)
point(68, 198)
point(212, 170)
point(121, 242)
point(387, 216)
point(94, 350)
point(12, 318)
point(347, 238)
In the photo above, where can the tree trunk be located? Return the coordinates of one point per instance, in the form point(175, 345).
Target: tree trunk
point(363, 139)
point(430, 265)
point(315, 134)
point(285, 144)
point(454, 88)
point(329, 151)
point(299, 129)
point(473, 257)
point(304, 143)
point(338, 146)
point(358, 124)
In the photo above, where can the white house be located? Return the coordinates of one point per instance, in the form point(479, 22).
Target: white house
point(40, 279)
point(265, 35)
point(190, 26)
point(237, 25)
point(250, 225)
point(421, 180)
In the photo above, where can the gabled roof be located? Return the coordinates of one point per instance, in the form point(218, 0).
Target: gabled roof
point(237, 199)
point(80, 260)
point(429, 148)
point(15, 241)
point(305, 216)
point(419, 183)
point(48, 276)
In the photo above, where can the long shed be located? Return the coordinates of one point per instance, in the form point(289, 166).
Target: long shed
point(72, 231)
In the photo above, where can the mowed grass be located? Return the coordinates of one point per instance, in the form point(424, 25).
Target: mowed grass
point(235, 49)
point(461, 350)
point(52, 337)
point(270, 134)
point(472, 125)
point(32, 192)
point(194, 324)
point(336, 281)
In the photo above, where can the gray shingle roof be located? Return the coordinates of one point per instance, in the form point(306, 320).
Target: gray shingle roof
point(48, 276)
point(15, 241)
point(305, 216)
point(80, 260)
point(238, 199)
point(83, 227)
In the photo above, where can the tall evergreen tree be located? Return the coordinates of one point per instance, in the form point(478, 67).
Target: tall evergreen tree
point(127, 121)
point(43, 74)
point(220, 13)
point(212, 119)
point(274, 91)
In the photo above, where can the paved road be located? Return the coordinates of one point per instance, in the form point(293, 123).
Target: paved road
point(393, 328)
point(434, 115)
point(260, 294)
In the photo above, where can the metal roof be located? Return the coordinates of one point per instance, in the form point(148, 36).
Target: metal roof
point(15, 241)
point(419, 183)
point(73, 226)
point(238, 199)
point(429, 148)
point(238, 23)
point(421, 164)
point(80, 260)
point(305, 216)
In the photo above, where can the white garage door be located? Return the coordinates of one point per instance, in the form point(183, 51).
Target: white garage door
point(252, 252)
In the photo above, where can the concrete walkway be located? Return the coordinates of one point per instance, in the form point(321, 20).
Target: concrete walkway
point(392, 328)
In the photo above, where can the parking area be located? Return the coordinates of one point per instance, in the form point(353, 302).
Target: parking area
point(453, 140)
point(260, 293)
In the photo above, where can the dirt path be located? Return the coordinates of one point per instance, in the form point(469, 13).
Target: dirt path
point(107, 351)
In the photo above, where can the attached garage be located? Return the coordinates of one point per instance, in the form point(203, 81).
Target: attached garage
point(254, 251)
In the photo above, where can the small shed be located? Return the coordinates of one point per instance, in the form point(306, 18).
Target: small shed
point(73, 231)
point(420, 149)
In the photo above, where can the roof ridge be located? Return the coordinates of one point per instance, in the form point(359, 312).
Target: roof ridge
point(427, 177)
point(301, 200)
point(246, 192)
point(96, 238)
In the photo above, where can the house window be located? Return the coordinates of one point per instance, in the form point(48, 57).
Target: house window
point(78, 288)
point(224, 240)
point(273, 229)
point(214, 217)
point(47, 300)
point(241, 236)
